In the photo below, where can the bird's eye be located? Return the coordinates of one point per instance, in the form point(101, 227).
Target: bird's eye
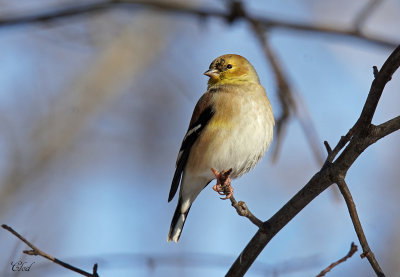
point(229, 66)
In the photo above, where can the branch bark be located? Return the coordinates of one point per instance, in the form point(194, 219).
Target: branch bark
point(360, 137)
point(242, 210)
point(223, 187)
point(367, 252)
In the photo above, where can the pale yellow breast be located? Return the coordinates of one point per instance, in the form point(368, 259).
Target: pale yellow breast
point(237, 135)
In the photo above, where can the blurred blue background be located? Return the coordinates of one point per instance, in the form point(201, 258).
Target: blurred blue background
point(93, 110)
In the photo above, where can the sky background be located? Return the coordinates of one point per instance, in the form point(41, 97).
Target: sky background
point(93, 111)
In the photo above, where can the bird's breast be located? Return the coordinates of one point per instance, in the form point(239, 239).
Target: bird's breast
point(236, 137)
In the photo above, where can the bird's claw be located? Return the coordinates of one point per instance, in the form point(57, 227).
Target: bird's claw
point(223, 185)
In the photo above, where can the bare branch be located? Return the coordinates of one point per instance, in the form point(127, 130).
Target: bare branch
point(333, 31)
point(375, 70)
point(242, 210)
point(328, 147)
point(37, 252)
point(353, 249)
point(363, 124)
point(342, 143)
point(379, 83)
point(359, 138)
point(318, 183)
point(223, 187)
point(92, 8)
point(56, 14)
point(387, 128)
point(351, 206)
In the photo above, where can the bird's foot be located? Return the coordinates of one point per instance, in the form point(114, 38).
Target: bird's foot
point(223, 185)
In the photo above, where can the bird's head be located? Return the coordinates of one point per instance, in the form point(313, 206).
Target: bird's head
point(231, 69)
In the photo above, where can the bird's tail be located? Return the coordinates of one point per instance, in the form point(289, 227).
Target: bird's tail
point(177, 222)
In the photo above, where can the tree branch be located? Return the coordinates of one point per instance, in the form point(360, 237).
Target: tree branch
point(387, 128)
point(382, 77)
point(37, 252)
point(242, 210)
point(353, 249)
point(223, 187)
point(360, 137)
point(351, 206)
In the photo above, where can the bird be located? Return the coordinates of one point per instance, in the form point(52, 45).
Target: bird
point(231, 128)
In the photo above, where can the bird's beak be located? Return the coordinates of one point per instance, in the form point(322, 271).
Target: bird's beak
point(212, 73)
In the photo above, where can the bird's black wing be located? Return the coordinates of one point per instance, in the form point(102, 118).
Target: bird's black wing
point(198, 122)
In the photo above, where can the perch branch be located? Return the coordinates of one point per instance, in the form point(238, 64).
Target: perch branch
point(37, 252)
point(353, 249)
point(242, 210)
point(223, 187)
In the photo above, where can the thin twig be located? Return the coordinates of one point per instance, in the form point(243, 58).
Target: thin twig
point(37, 252)
point(353, 249)
point(328, 147)
point(351, 206)
point(375, 71)
point(342, 143)
point(224, 188)
point(242, 210)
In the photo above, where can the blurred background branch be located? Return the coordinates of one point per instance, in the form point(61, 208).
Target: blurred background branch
point(235, 11)
point(37, 252)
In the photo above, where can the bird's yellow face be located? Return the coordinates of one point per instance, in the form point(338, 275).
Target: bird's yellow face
point(231, 69)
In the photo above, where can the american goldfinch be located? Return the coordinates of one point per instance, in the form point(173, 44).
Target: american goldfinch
point(231, 128)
